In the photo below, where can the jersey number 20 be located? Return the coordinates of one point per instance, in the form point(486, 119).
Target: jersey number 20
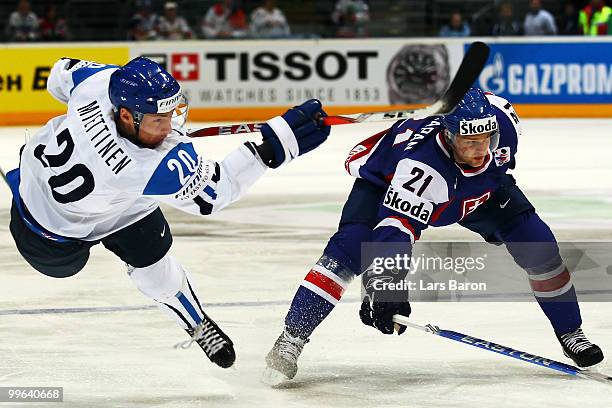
point(63, 179)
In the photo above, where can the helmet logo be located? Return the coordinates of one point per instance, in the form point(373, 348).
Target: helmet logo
point(477, 126)
point(168, 104)
point(128, 82)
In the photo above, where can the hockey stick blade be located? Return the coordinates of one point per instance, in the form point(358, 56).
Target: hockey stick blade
point(473, 62)
point(506, 351)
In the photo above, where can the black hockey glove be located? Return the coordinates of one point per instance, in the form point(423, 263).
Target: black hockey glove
point(295, 132)
point(381, 303)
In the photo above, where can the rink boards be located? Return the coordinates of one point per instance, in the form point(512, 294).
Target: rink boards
point(253, 80)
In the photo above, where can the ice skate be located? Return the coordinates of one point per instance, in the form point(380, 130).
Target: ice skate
point(281, 361)
point(576, 346)
point(217, 345)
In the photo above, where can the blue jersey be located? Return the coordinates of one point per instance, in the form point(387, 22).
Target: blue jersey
point(425, 186)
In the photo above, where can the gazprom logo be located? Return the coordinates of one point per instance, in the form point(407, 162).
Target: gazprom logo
point(492, 76)
point(169, 104)
point(558, 73)
point(478, 126)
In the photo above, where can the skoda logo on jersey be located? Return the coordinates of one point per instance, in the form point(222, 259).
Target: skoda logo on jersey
point(169, 104)
point(409, 205)
point(478, 126)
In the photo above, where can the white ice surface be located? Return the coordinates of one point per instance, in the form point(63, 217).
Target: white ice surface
point(249, 259)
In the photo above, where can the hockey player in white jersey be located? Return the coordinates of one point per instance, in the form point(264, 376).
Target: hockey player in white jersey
point(98, 173)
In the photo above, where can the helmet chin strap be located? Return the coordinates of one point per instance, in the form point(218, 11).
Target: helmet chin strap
point(450, 138)
point(138, 117)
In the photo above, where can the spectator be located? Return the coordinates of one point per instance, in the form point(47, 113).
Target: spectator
point(51, 27)
point(350, 18)
point(539, 21)
point(506, 24)
point(22, 23)
point(225, 20)
point(172, 26)
point(594, 18)
point(456, 27)
point(268, 21)
point(143, 24)
point(569, 21)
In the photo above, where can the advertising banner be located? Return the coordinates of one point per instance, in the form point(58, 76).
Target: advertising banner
point(231, 74)
point(565, 74)
point(252, 80)
point(23, 78)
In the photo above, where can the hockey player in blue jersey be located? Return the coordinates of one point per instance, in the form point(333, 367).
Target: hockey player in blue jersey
point(433, 171)
point(98, 173)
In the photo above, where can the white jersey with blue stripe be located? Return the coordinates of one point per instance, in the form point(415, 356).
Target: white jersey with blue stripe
point(81, 179)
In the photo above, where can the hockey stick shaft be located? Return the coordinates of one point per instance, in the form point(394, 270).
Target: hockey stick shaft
point(327, 121)
point(504, 350)
point(471, 65)
point(3, 176)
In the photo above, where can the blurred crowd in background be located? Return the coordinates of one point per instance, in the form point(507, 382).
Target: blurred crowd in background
point(150, 20)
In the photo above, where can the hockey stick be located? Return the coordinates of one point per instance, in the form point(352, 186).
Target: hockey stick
point(3, 176)
point(506, 351)
point(471, 65)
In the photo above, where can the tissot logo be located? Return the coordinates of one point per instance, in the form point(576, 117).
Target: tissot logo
point(185, 67)
point(475, 127)
point(293, 66)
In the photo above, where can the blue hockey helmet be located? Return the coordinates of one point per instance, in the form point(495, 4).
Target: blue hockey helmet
point(142, 86)
point(473, 115)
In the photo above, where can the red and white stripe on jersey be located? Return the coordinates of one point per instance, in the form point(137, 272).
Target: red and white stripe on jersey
point(551, 284)
point(325, 283)
point(400, 223)
point(359, 154)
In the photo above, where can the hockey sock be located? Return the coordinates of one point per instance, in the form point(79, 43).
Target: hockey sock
point(324, 285)
point(167, 283)
point(317, 296)
point(533, 246)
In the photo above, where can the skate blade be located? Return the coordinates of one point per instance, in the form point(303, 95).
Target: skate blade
point(274, 378)
point(594, 368)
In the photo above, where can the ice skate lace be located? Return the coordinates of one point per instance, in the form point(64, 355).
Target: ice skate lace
point(290, 347)
point(576, 341)
point(207, 336)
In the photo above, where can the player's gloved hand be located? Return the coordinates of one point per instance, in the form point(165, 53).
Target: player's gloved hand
point(380, 314)
point(378, 308)
point(295, 132)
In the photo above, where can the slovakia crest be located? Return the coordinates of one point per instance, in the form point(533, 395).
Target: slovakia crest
point(502, 156)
